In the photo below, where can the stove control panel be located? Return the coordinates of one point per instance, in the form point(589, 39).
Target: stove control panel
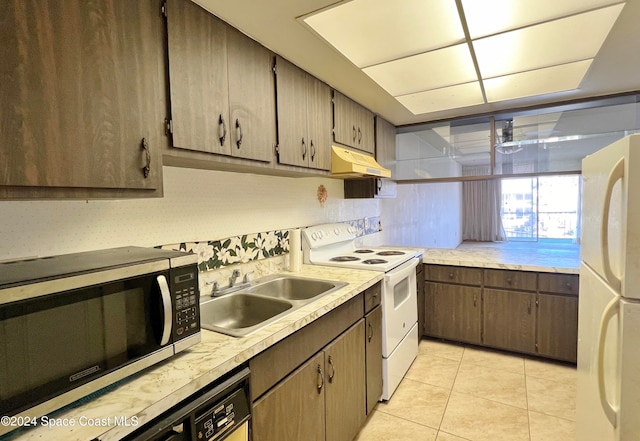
point(328, 234)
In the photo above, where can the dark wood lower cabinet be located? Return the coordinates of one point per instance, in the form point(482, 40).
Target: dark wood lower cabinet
point(453, 312)
point(373, 344)
point(558, 326)
point(509, 320)
point(520, 311)
point(294, 409)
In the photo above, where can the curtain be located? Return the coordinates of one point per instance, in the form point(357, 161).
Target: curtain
point(481, 204)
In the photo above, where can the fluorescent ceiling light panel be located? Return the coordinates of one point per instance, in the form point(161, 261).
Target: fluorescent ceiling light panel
point(453, 97)
point(431, 70)
point(369, 32)
point(536, 82)
point(574, 38)
point(493, 16)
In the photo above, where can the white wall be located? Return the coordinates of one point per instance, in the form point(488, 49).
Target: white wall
point(198, 205)
point(207, 205)
point(426, 215)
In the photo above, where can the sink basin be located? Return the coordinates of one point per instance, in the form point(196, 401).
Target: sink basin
point(264, 301)
point(240, 313)
point(293, 288)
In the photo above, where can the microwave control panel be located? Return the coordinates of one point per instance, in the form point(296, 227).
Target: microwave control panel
point(184, 286)
point(223, 417)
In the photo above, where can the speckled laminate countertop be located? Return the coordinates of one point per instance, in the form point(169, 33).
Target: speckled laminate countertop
point(153, 391)
point(542, 257)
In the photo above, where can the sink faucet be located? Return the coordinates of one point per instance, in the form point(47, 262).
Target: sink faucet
point(234, 276)
point(233, 286)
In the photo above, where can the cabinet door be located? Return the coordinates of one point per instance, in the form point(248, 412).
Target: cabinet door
point(319, 122)
point(345, 130)
point(509, 320)
point(292, 91)
point(385, 142)
point(345, 395)
point(82, 85)
point(557, 333)
point(252, 98)
point(366, 131)
point(294, 409)
point(373, 347)
point(453, 312)
point(199, 84)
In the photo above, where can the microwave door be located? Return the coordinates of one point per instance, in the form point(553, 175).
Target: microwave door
point(52, 344)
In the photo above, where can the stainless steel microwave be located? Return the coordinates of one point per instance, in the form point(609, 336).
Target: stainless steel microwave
point(73, 324)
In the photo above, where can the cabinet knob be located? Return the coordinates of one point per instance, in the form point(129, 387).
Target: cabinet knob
point(222, 128)
point(509, 280)
point(147, 158)
point(451, 275)
point(239, 132)
point(320, 382)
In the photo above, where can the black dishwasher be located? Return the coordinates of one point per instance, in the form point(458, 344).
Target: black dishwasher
point(213, 414)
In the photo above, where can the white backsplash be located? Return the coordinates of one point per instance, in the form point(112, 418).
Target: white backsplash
point(198, 205)
point(201, 205)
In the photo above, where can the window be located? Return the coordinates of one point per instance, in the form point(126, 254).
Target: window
point(543, 208)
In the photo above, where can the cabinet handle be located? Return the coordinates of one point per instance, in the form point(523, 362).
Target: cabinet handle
point(222, 130)
point(320, 382)
point(313, 151)
point(359, 135)
point(475, 300)
point(304, 149)
point(147, 158)
point(239, 131)
point(354, 133)
point(370, 336)
point(333, 370)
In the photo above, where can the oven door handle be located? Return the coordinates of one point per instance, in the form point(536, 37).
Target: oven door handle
point(403, 271)
point(165, 295)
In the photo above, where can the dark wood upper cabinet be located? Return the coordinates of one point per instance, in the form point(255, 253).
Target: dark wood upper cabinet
point(304, 117)
point(221, 85)
point(82, 84)
point(353, 124)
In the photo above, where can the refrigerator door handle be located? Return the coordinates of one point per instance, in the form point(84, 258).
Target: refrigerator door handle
point(610, 410)
point(616, 174)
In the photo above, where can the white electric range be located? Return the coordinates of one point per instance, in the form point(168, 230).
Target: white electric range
point(335, 245)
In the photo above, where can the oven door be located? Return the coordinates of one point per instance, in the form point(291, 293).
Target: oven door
point(53, 344)
point(399, 304)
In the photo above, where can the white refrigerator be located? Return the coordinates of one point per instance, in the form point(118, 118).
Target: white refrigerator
point(608, 381)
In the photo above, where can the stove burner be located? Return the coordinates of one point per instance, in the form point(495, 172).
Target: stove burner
point(344, 259)
point(374, 261)
point(363, 251)
point(390, 253)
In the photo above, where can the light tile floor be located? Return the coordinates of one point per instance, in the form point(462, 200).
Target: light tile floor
point(463, 393)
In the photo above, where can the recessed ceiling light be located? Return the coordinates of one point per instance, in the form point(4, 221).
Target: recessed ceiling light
point(489, 17)
point(536, 82)
point(369, 32)
point(431, 70)
point(547, 44)
point(461, 95)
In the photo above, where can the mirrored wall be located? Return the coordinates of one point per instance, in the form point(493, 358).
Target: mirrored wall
point(535, 141)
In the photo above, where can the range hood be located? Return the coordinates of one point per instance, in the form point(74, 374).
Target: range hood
point(347, 163)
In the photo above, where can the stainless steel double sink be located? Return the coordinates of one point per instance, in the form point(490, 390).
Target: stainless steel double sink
point(264, 301)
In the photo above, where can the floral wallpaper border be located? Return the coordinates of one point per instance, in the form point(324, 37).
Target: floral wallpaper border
point(215, 254)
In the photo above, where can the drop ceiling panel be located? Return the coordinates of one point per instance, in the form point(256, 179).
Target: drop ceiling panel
point(493, 16)
point(431, 70)
point(461, 95)
point(536, 82)
point(547, 44)
point(369, 32)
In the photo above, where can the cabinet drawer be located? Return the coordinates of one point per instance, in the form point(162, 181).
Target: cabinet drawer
point(559, 283)
point(372, 297)
point(521, 280)
point(453, 274)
